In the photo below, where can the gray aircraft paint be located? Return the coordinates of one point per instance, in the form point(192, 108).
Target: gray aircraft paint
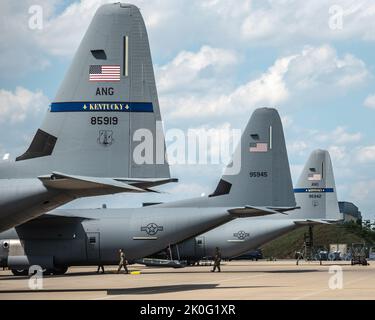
point(316, 197)
point(116, 37)
point(64, 236)
point(272, 190)
point(315, 191)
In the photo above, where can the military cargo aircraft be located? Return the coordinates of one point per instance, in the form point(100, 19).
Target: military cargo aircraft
point(315, 194)
point(85, 145)
point(66, 238)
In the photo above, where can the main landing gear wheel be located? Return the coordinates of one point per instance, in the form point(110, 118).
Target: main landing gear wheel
point(60, 270)
point(20, 272)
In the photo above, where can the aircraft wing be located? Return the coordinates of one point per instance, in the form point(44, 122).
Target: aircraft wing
point(251, 211)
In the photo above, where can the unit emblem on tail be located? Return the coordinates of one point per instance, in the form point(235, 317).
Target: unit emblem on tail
point(105, 137)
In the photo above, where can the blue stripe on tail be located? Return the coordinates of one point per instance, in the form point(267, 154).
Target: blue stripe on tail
point(102, 107)
point(313, 190)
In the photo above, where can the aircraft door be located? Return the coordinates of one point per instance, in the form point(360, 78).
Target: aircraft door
point(200, 246)
point(93, 246)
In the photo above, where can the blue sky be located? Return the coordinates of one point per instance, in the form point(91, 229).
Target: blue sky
point(219, 59)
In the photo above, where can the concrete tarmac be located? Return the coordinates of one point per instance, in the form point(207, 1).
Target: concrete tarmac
point(238, 280)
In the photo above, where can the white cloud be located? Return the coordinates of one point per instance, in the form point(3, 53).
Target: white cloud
point(312, 68)
point(370, 101)
point(297, 147)
point(366, 154)
point(226, 9)
point(62, 33)
point(20, 52)
point(276, 22)
point(322, 66)
point(362, 191)
point(22, 103)
point(195, 71)
point(21, 113)
point(341, 144)
point(287, 121)
point(339, 136)
point(268, 89)
point(338, 153)
point(260, 24)
point(213, 22)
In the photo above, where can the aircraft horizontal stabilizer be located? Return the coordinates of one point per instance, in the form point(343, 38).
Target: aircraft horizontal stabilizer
point(250, 211)
point(283, 209)
point(315, 221)
point(146, 183)
point(62, 181)
point(58, 216)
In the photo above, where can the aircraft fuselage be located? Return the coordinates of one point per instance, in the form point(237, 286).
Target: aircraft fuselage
point(235, 238)
point(24, 199)
point(95, 238)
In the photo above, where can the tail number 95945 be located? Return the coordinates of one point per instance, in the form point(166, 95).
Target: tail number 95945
point(258, 174)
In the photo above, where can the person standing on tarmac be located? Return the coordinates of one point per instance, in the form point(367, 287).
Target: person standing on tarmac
point(123, 262)
point(217, 260)
point(100, 267)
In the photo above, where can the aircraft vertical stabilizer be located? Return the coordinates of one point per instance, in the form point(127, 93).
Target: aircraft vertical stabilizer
point(264, 177)
point(108, 93)
point(102, 132)
point(315, 191)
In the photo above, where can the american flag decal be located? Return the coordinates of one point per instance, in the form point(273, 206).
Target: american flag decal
point(104, 73)
point(314, 177)
point(258, 147)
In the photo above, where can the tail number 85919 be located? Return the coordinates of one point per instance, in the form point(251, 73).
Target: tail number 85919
point(104, 121)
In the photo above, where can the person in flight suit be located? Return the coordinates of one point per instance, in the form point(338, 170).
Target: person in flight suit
point(217, 260)
point(123, 262)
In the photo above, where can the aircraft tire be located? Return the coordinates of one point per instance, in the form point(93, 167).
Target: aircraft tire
point(58, 271)
point(47, 272)
point(22, 272)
